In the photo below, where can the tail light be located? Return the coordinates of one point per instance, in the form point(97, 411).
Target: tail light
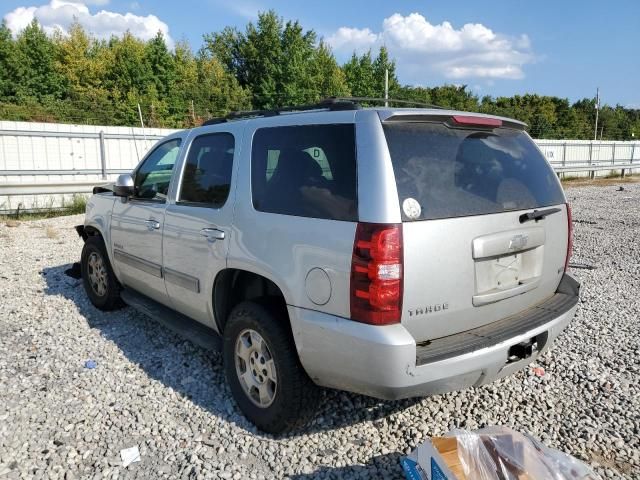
point(471, 121)
point(376, 274)
point(570, 237)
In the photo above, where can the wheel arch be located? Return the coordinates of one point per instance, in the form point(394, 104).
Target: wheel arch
point(233, 285)
point(99, 227)
point(91, 230)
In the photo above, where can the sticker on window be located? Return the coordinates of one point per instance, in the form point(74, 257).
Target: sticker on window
point(411, 208)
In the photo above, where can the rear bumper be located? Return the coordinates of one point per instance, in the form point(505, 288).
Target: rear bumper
point(384, 362)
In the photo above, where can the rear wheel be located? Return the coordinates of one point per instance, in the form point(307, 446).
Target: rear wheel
point(98, 278)
point(264, 372)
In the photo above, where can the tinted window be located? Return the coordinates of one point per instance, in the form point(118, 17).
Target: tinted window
point(154, 175)
point(306, 171)
point(207, 172)
point(454, 172)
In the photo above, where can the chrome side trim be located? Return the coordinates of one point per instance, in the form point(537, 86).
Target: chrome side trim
point(182, 280)
point(507, 243)
point(139, 263)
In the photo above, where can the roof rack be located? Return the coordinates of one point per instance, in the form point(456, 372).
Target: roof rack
point(331, 104)
point(388, 100)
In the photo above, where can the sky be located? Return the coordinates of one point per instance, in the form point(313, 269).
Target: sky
point(565, 48)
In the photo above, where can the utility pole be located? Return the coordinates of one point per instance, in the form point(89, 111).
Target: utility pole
point(595, 134)
point(140, 114)
point(386, 87)
point(142, 125)
point(193, 112)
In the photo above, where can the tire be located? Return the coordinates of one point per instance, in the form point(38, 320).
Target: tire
point(294, 394)
point(105, 293)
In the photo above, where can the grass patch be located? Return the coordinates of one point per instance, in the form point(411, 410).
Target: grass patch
point(77, 205)
point(571, 178)
point(600, 181)
point(613, 174)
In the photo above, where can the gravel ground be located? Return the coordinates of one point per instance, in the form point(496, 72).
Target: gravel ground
point(152, 389)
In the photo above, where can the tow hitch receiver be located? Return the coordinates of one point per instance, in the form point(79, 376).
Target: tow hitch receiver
point(523, 350)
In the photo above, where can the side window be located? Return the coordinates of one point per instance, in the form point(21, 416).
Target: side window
point(305, 171)
point(154, 175)
point(207, 172)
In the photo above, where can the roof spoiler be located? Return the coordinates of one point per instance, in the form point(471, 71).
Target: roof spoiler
point(459, 120)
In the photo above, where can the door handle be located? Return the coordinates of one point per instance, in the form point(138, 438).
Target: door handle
point(152, 224)
point(212, 234)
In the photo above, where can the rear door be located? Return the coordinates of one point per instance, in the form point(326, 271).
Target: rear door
point(137, 223)
point(197, 225)
point(470, 255)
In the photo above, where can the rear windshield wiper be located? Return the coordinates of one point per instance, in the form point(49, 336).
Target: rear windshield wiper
point(538, 214)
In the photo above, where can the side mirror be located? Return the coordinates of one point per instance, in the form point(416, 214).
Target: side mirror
point(123, 186)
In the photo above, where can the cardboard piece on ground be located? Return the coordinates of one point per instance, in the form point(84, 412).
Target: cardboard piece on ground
point(427, 463)
point(447, 447)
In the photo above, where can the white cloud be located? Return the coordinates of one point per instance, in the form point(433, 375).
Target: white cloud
point(60, 14)
point(424, 49)
point(346, 38)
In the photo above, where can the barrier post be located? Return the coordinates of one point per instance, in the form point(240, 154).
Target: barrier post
point(103, 156)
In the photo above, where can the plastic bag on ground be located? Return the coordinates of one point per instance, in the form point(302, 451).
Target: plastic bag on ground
point(499, 453)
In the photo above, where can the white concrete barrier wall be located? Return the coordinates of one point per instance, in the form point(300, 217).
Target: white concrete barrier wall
point(581, 152)
point(43, 164)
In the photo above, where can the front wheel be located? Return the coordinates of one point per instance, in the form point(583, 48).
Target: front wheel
point(98, 278)
point(264, 372)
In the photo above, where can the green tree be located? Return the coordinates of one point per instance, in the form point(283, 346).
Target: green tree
point(456, 97)
point(218, 92)
point(82, 61)
point(329, 79)
point(361, 77)
point(128, 77)
point(161, 64)
point(381, 64)
point(255, 57)
point(183, 95)
point(75, 77)
point(279, 63)
point(295, 83)
point(8, 67)
point(36, 75)
point(128, 70)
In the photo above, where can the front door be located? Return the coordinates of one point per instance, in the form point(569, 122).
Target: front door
point(137, 223)
point(196, 231)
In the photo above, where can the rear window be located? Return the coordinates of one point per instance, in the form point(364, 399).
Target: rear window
point(444, 172)
point(305, 171)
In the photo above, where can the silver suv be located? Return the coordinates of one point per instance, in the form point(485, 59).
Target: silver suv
point(389, 252)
